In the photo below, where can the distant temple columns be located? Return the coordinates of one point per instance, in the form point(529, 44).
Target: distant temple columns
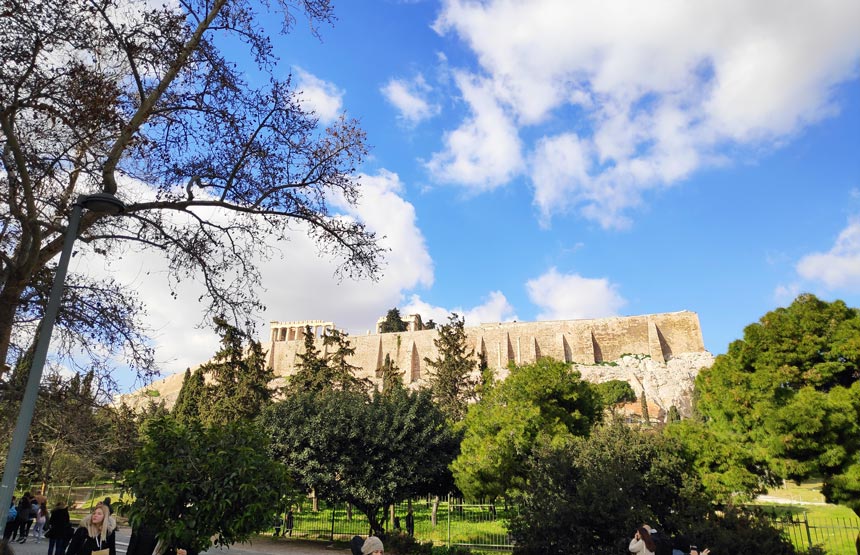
point(295, 331)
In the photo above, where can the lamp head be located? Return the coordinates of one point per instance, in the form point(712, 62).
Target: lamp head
point(103, 203)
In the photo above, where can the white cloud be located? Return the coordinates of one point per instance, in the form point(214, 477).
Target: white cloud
point(838, 268)
point(409, 97)
point(299, 285)
point(495, 308)
point(662, 86)
point(485, 151)
point(322, 97)
point(571, 296)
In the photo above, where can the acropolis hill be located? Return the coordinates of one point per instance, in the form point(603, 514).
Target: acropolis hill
point(659, 354)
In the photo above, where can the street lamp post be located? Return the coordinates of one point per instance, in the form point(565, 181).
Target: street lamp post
point(99, 202)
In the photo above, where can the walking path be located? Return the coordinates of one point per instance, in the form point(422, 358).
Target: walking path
point(260, 546)
point(785, 501)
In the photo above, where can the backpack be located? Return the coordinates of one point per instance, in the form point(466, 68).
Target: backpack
point(12, 514)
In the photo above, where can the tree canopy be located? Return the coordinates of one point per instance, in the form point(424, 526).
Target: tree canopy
point(192, 483)
point(317, 372)
point(543, 402)
point(393, 322)
point(786, 398)
point(614, 392)
point(370, 452)
point(137, 100)
point(588, 494)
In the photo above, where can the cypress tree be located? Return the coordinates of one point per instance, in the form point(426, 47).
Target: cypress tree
point(191, 397)
point(646, 418)
point(392, 377)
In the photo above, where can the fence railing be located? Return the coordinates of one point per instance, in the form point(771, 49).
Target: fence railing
point(444, 521)
point(836, 536)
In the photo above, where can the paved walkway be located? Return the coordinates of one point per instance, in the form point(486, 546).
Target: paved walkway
point(260, 546)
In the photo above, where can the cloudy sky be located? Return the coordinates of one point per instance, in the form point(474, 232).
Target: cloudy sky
point(554, 159)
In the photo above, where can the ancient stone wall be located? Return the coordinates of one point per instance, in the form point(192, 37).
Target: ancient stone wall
point(659, 336)
point(658, 354)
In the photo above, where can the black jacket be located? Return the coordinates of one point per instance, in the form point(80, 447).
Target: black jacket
point(58, 523)
point(83, 544)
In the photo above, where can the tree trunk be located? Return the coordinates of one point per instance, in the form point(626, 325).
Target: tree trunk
point(349, 512)
point(434, 511)
point(315, 503)
point(9, 299)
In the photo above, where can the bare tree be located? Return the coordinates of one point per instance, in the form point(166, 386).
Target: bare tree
point(136, 99)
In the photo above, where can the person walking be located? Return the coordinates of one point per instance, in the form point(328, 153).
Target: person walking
point(23, 518)
point(58, 525)
point(11, 523)
point(41, 519)
point(96, 534)
point(410, 523)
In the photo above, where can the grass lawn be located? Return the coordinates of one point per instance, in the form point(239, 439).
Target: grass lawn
point(807, 520)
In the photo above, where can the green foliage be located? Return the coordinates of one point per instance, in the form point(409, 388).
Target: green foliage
point(646, 417)
point(393, 322)
point(588, 494)
point(341, 373)
point(405, 544)
point(193, 482)
point(544, 402)
point(191, 397)
point(370, 452)
point(392, 377)
point(316, 373)
point(615, 392)
point(240, 388)
point(787, 394)
point(487, 379)
point(450, 378)
point(123, 437)
point(674, 415)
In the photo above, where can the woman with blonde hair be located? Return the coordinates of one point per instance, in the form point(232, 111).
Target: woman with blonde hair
point(96, 535)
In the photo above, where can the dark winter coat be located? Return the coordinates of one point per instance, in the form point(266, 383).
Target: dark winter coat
point(58, 523)
point(83, 544)
point(23, 511)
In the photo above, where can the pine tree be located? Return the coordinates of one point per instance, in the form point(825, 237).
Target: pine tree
point(240, 388)
point(341, 374)
point(311, 368)
point(393, 322)
point(450, 381)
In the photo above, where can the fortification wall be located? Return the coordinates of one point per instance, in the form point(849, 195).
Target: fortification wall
point(659, 336)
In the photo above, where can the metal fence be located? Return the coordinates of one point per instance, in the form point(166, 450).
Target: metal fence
point(444, 521)
point(835, 536)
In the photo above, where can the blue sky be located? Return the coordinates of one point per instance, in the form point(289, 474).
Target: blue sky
point(551, 159)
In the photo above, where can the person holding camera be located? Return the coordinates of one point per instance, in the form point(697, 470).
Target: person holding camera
point(695, 551)
point(642, 543)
